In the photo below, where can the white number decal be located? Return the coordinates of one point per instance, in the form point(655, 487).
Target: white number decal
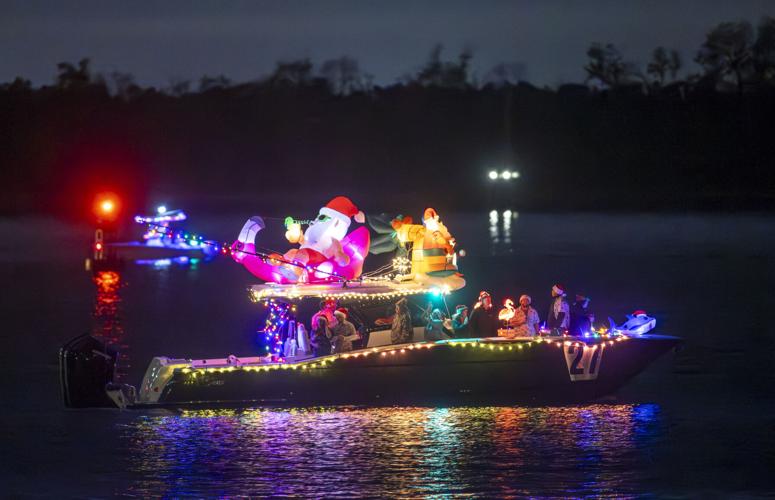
point(583, 361)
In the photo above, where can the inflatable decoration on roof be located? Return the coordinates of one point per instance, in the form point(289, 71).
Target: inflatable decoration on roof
point(328, 253)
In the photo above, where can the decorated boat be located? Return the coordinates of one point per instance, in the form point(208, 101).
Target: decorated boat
point(163, 243)
point(325, 273)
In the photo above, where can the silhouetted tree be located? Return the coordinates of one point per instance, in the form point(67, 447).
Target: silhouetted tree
point(18, 85)
point(438, 73)
point(663, 62)
point(505, 74)
point(292, 73)
point(124, 85)
point(728, 53)
point(607, 66)
point(178, 87)
point(764, 50)
point(72, 77)
point(343, 75)
point(213, 82)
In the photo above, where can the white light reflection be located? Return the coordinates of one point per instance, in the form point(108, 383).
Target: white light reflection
point(500, 230)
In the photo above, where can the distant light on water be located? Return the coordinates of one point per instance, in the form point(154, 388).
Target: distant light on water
point(506, 175)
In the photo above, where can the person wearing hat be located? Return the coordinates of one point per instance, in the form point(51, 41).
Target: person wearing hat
point(581, 315)
point(525, 320)
point(343, 333)
point(436, 329)
point(327, 308)
point(484, 322)
point(460, 326)
point(558, 319)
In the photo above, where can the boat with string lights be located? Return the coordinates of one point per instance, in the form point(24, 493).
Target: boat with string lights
point(164, 243)
point(163, 239)
point(324, 277)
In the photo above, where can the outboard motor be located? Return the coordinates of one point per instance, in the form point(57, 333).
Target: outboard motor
point(86, 367)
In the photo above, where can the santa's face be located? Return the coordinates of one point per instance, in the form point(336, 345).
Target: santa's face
point(432, 223)
point(321, 230)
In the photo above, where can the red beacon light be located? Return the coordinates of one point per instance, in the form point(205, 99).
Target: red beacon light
point(106, 207)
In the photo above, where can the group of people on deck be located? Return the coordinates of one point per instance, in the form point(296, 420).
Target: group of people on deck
point(483, 321)
point(332, 332)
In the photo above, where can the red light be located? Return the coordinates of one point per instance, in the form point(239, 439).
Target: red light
point(107, 206)
point(98, 246)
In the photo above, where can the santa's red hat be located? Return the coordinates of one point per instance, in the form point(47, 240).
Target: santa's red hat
point(430, 213)
point(343, 208)
point(559, 289)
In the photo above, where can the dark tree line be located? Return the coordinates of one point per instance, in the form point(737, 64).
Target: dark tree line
point(629, 138)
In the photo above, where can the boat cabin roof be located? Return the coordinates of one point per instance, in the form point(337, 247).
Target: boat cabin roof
point(366, 289)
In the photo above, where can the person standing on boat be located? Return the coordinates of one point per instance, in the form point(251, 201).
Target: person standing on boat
point(525, 320)
point(327, 308)
point(581, 315)
point(344, 333)
point(321, 337)
point(401, 330)
point(460, 326)
point(435, 329)
point(484, 322)
point(558, 319)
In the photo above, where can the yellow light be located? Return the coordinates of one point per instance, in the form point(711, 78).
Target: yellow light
point(107, 206)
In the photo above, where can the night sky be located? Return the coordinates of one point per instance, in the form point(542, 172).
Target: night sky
point(157, 41)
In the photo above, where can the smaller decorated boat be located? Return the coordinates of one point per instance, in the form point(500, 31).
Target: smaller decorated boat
point(163, 243)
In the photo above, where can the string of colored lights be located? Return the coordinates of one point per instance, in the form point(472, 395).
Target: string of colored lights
point(296, 292)
point(276, 319)
point(226, 249)
point(389, 351)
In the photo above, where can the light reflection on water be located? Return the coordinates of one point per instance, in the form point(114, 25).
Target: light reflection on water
point(500, 231)
point(587, 450)
point(107, 316)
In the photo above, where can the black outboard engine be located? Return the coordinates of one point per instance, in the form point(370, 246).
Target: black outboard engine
point(86, 367)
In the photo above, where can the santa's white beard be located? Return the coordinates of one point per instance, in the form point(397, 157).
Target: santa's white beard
point(318, 236)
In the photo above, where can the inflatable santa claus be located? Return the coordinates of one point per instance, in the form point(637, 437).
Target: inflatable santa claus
point(326, 251)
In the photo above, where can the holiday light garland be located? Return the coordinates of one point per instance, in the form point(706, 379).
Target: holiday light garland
point(277, 317)
point(499, 345)
point(361, 289)
point(226, 249)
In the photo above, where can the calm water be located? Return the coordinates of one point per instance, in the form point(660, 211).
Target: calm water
point(698, 423)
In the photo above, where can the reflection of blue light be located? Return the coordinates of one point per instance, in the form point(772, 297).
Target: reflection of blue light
point(167, 262)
